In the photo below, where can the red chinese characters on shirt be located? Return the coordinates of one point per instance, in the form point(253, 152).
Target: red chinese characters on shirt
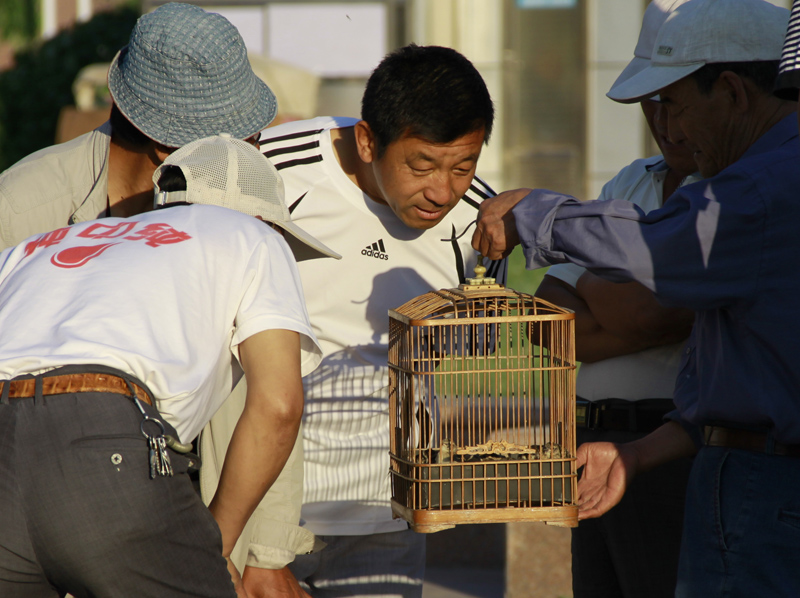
point(158, 234)
point(52, 238)
point(154, 234)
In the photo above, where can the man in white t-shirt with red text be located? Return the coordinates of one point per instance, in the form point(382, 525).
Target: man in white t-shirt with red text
point(121, 338)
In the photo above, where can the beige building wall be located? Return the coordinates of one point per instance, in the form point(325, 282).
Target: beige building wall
point(474, 28)
point(615, 133)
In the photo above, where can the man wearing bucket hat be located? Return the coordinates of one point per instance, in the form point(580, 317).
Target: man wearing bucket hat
point(629, 367)
point(95, 408)
point(726, 247)
point(184, 75)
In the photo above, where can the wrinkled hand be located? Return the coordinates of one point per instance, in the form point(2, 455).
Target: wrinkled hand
point(236, 579)
point(272, 583)
point(608, 470)
point(496, 233)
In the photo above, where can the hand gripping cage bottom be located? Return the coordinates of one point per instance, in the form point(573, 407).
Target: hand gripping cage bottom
point(482, 407)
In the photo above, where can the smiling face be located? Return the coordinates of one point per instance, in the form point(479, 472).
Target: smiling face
point(419, 180)
point(707, 124)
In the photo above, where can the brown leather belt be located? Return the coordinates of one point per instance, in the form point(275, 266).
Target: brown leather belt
point(747, 440)
point(72, 383)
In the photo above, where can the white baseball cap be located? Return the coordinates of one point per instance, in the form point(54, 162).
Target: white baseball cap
point(655, 15)
point(702, 32)
point(231, 173)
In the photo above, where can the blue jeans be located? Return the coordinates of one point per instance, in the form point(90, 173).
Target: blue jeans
point(389, 565)
point(741, 535)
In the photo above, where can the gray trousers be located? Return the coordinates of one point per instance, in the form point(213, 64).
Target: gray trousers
point(79, 513)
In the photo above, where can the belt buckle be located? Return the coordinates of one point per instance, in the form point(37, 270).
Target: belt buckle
point(586, 413)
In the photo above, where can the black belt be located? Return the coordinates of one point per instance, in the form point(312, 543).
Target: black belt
point(620, 415)
point(760, 442)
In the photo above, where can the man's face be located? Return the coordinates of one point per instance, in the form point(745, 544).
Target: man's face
point(422, 181)
point(678, 156)
point(706, 124)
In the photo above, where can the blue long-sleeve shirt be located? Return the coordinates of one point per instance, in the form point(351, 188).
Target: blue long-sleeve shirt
point(727, 247)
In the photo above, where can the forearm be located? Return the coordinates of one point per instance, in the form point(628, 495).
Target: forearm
point(665, 444)
point(631, 312)
point(266, 431)
point(254, 459)
point(592, 341)
point(276, 536)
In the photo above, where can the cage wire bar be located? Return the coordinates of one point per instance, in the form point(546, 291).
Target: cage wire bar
point(482, 401)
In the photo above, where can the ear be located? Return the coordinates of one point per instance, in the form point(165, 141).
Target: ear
point(365, 142)
point(736, 88)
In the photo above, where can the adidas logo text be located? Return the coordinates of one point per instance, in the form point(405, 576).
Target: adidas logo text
point(376, 250)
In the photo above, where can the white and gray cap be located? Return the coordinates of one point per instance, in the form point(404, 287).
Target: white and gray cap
point(231, 173)
point(702, 32)
point(654, 16)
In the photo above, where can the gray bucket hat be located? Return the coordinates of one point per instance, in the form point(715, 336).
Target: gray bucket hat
point(185, 75)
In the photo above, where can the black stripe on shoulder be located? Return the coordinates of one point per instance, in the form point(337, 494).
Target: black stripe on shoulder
point(299, 199)
point(291, 136)
point(298, 162)
point(471, 201)
point(278, 151)
point(489, 191)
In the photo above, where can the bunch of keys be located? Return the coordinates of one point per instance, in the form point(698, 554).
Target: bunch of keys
point(159, 457)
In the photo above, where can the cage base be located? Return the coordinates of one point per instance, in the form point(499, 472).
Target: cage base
point(426, 522)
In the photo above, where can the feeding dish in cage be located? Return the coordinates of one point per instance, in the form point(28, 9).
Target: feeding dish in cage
point(482, 401)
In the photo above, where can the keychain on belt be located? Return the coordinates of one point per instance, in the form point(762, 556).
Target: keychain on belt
point(159, 457)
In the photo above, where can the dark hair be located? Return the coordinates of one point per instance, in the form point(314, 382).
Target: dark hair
point(172, 179)
point(124, 129)
point(762, 73)
point(426, 91)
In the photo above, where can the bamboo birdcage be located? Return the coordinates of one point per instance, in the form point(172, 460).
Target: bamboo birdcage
point(482, 401)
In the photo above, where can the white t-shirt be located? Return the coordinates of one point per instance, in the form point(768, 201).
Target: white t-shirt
point(384, 264)
point(648, 374)
point(166, 296)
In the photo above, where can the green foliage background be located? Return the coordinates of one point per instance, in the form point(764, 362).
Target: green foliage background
point(18, 20)
point(520, 279)
point(34, 91)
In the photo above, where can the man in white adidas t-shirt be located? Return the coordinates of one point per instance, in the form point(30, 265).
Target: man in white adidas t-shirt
point(120, 339)
point(391, 192)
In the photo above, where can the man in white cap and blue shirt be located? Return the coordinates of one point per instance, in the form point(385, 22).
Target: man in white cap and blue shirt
point(726, 247)
point(628, 371)
point(104, 382)
point(183, 76)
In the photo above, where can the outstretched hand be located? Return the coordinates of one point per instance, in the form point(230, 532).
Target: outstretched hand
point(608, 470)
point(272, 583)
point(496, 233)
